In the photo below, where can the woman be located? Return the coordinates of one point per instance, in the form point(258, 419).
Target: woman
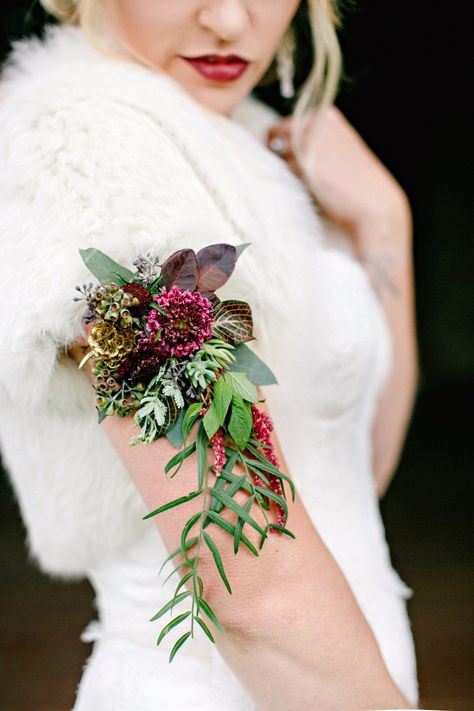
point(154, 152)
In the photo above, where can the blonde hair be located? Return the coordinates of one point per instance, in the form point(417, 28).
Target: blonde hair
point(318, 91)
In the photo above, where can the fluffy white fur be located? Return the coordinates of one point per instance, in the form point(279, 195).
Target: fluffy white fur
point(96, 152)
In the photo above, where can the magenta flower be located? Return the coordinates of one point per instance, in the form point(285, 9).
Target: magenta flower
point(262, 428)
point(185, 327)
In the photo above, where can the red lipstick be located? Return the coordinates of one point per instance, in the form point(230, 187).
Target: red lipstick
point(218, 67)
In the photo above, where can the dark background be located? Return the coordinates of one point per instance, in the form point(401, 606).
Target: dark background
point(405, 89)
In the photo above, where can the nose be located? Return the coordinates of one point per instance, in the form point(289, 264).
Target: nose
point(226, 18)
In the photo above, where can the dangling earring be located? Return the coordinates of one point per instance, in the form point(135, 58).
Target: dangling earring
point(285, 63)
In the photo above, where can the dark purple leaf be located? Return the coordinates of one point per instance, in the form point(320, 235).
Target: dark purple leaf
point(181, 269)
point(215, 263)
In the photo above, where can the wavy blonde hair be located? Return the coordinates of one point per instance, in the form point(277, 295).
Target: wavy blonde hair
point(318, 91)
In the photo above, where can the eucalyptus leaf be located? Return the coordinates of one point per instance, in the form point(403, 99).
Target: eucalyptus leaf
point(248, 362)
point(104, 268)
point(175, 432)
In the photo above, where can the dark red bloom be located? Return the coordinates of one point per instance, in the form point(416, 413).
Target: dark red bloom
point(218, 451)
point(141, 295)
point(140, 366)
point(262, 427)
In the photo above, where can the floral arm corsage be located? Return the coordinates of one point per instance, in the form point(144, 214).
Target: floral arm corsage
point(170, 353)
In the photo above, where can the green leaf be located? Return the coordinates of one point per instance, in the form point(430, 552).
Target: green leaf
point(180, 457)
point(211, 421)
point(204, 627)
point(209, 612)
point(222, 399)
point(186, 563)
point(273, 495)
point(236, 508)
point(201, 449)
point(190, 417)
point(268, 466)
point(230, 528)
point(240, 423)
point(248, 362)
point(282, 529)
point(170, 604)
point(175, 432)
point(178, 644)
point(253, 465)
point(187, 527)
point(171, 504)
point(176, 621)
point(219, 484)
point(241, 385)
point(104, 268)
point(232, 321)
point(189, 544)
point(217, 559)
point(241, 247)
point(240, 524)
point(183, 581)
point(236, 484)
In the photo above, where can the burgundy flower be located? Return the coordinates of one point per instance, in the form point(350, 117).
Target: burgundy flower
point(185, 327)
point(218, 451)
point(141, 297)
point(141, 365)
point(262, 427)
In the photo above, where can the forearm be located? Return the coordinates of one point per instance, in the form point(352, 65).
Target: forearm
point(295, 635)
point(385, 249)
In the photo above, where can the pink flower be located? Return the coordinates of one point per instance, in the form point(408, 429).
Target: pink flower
point(262, 428)
point(185, 327)
point(218, 450)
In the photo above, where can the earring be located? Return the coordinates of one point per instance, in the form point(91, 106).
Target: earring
point(285, 63)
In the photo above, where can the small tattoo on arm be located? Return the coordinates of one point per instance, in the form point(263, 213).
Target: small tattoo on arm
point(378, 267)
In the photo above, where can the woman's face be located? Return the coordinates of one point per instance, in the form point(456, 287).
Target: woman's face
point(162, 33)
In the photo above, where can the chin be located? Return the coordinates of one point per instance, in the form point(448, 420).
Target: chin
point(220, 100)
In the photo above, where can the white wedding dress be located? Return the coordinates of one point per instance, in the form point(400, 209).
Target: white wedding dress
point(319, 327)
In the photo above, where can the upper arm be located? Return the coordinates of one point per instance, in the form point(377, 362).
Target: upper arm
point(78, 172)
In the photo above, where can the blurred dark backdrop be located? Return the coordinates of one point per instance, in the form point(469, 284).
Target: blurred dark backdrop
point(406, 90)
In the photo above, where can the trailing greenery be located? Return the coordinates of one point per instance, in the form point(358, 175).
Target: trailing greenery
point(169, 353)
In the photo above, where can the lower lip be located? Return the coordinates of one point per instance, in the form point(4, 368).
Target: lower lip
point(218, 72)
